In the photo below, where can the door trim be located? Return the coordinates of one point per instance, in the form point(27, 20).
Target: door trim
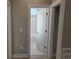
point(29, 21)
point(56, 3)
point(9, 33)
point(51, 26)
point(60, 29)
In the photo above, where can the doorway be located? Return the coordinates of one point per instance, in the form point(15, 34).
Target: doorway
point(55, 28)
point(38, 31)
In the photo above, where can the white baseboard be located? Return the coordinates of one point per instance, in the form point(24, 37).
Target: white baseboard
point(20, 55)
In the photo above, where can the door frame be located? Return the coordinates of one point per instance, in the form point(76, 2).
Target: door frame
point(60, 26)
point(9, 33)
point(51, 26)
point(29, 22)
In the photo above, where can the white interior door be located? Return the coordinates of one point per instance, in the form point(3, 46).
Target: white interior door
point(42, 29)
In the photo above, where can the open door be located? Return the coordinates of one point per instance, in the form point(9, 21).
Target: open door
point(42, 29)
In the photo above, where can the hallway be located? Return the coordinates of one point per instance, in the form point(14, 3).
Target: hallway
point(51, 31)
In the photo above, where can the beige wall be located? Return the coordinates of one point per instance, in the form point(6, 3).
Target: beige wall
point(20, 20)
point(53, 1)
point(66, 43)
point(40, 1)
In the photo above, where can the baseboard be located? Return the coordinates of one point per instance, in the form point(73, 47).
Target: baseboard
point(64, 49)
point(20, 55)
point(66, 53)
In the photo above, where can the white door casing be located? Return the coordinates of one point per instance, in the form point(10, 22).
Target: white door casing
point(9, 30)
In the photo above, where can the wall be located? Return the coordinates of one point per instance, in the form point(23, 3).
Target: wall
point(66, 43)
point(39, 1)
point(20, 23)
point(53, 1)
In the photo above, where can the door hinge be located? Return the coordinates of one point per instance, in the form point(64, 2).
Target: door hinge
point(46, 13)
